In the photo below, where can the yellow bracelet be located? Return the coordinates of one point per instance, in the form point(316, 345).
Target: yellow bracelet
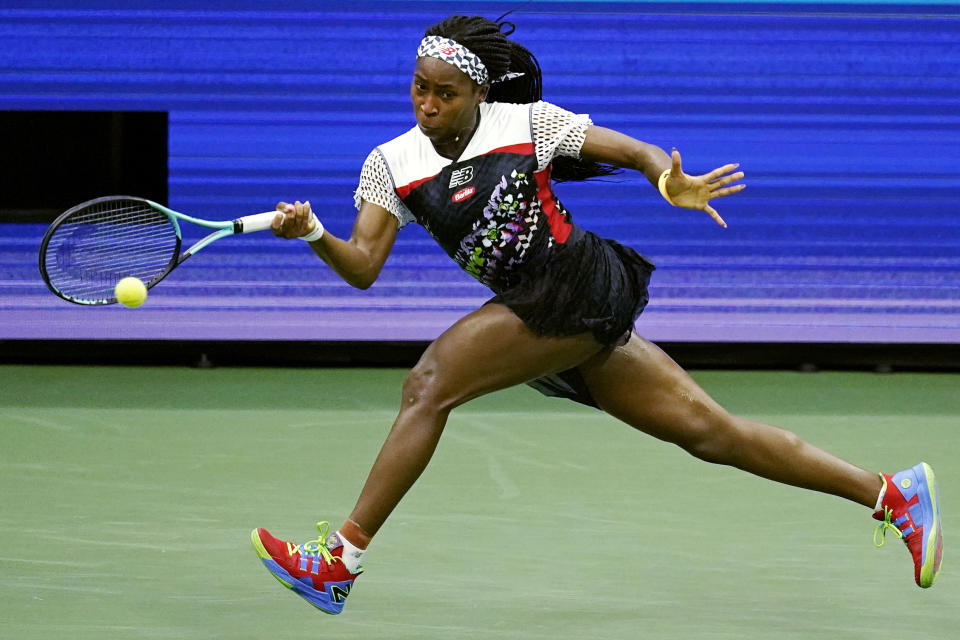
point(662, 185)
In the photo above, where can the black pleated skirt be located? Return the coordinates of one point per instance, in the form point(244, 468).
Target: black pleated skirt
point(588, 284)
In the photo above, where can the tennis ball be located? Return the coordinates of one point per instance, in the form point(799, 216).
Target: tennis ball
point(130, 292)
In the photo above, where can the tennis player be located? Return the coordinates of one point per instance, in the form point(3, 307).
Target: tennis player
point(477, 172)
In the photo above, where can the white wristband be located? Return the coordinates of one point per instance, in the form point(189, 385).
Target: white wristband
point(317, 232)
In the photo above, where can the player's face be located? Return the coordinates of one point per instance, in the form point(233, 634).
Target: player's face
point(444, 99)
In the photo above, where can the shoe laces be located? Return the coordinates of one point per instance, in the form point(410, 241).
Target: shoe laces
point(880, 533)
point(318, 546)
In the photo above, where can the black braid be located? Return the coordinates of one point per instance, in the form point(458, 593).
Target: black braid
point(488, 40)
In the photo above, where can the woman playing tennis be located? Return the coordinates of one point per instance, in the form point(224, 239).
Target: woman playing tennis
point(477, 172)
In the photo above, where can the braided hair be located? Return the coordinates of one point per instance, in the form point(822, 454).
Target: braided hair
point(488, 40)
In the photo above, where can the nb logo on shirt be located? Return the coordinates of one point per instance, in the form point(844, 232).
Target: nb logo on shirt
point(461, 176)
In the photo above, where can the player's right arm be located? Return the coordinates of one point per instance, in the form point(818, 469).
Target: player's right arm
point(357, 260)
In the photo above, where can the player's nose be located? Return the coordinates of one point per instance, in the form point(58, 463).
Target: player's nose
point(428, 107)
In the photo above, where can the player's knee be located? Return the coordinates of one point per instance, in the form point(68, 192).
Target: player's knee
point(712, 438)
point(417, 386)
point(425, 389)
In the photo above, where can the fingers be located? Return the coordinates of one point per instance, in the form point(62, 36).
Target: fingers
point(293, 220)
point(725, 180)
point(721, 171)
point(718, 179)
point(675, 169)
point(716, 216)
point(719, 193)
point(277, 223)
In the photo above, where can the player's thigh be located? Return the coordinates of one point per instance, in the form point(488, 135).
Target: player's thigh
point(641, 385)
point(487, 350)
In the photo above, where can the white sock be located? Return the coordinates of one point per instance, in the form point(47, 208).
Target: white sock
point(352, 556)
point(883, 492)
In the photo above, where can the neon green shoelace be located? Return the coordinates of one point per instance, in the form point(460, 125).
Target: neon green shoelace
point(880, 533)
point(319, 545)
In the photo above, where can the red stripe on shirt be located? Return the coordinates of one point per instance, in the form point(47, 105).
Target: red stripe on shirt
point(405, 190)
point(524, 148)
point(559, 226)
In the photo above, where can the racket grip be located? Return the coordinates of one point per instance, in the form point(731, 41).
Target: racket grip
point(256, 222)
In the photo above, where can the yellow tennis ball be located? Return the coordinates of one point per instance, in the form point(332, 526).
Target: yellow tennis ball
point(130, 292)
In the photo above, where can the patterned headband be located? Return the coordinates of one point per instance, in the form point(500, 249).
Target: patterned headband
point(456, 54)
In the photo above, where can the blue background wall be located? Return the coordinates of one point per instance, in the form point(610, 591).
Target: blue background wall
point(846, 118)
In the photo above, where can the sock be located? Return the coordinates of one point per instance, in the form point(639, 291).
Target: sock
point(883, 493)
point(355, 542)
point(352, 555)
point(353, 532)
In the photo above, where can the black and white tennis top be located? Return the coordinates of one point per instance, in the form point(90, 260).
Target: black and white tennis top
point(492, 209)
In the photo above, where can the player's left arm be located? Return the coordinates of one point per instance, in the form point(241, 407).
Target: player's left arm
point(683, 190)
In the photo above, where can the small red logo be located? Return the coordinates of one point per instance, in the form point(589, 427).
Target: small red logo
point(463, 194)
point(448, 51)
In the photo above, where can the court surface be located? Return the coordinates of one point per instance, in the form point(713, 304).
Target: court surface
point(129, 495)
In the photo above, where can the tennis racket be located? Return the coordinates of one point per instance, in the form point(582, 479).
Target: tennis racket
point(93, 245)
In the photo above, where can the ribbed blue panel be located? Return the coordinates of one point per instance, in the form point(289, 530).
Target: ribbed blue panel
point(845, 118)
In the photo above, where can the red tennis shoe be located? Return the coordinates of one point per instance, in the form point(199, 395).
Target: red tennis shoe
point(314, 569)
point(911, 509)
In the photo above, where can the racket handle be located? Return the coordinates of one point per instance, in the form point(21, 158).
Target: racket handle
point(256, 222)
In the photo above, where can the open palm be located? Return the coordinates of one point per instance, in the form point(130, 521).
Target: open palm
point(696, 192)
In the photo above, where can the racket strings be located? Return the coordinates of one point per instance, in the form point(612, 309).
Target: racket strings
point(100, 244)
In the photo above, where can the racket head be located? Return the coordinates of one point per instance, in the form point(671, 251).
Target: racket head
point(92, 246)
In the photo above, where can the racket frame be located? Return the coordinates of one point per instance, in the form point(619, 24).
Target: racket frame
point(224, 228)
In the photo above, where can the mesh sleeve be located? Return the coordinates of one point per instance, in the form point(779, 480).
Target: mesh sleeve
point(557, 132)
point(376, 187)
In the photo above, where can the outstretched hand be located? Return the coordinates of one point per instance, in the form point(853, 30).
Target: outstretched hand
point(695, 192)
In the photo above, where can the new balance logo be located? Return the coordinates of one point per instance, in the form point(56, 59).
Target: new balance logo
point(339, 593)
point(461, 176)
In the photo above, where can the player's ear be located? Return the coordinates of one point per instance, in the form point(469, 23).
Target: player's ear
point(482, 93)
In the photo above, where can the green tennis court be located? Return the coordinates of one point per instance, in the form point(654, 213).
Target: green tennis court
point(129, 495)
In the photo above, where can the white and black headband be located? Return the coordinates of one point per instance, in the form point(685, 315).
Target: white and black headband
point(454, 53)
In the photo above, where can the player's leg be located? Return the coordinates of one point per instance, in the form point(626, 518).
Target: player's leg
point(639, 384)
point(642, 386)
point(487, 350)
